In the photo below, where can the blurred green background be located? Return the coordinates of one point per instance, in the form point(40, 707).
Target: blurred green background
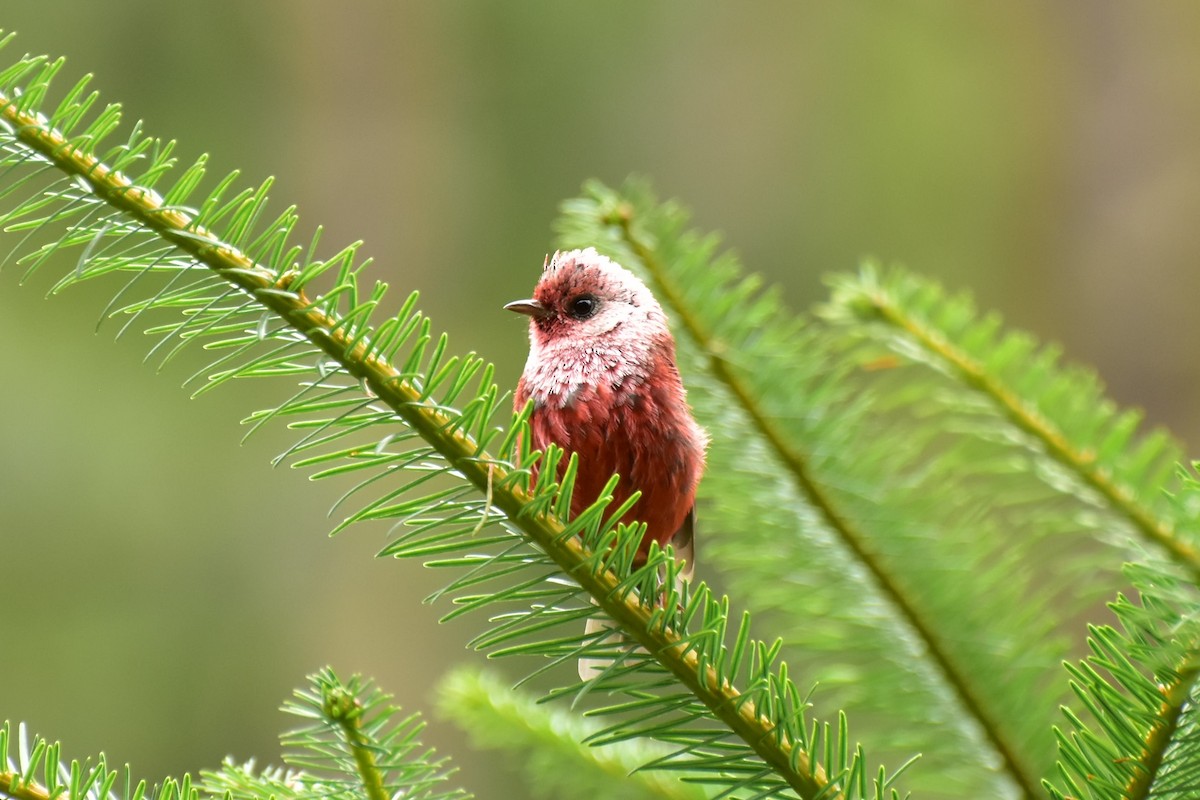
point(165, 589)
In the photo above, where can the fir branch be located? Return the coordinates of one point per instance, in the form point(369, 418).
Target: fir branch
point(1139, 688)
point(1176, 692)
point(872, 299)
point(249, 277)
point(37, 771)
point(356, 748)
point(797, 464)
point(342, 707)
point(12, 786)
point(355, 741)
point(550, 744)
point(912, 489)
point(435, 426)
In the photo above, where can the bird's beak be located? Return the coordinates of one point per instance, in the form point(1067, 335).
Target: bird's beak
point(529, 307)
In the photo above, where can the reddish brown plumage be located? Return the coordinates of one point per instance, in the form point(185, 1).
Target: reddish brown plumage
point(605, 385)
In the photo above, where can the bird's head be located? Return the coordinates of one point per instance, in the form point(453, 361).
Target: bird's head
point(585, 298)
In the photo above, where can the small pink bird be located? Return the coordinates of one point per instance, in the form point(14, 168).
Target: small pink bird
point(602, 375)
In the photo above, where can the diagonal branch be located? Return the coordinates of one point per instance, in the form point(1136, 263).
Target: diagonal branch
point(796, 462)
point(1175, 695)
point(357, 354)
point(11, 786)
point(1082, 463)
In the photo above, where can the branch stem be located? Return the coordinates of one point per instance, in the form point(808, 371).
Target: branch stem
point(1021, 772)
point(11, 786)
point(358, 356)
point(1120, 498)
point(342, 707)
point(1162, 732)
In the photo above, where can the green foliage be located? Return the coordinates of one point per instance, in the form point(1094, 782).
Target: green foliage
point(1083, 445)
point(352, 746)
point(919, 505)
point(1140, 686)
point(384, 401)
point(36, 771)
point(873, 536)
point(887, 496)
point(551, 744)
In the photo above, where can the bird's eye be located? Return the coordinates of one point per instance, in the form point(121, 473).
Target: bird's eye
point(583, 306)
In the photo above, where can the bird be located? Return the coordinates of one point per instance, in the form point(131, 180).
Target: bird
point(604, 382)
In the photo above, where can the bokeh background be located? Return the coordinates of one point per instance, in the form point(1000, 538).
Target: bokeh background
point(164, 589)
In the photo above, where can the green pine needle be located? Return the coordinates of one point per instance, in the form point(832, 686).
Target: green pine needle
point(1062, 410)
point(924, 540)
point(385, 402)
point(353, 744)
point(548, 743)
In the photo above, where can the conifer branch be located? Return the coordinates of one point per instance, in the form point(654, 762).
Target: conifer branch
point(1175, 693)
point(1138, 686)
point(13, 787)
point(342, 706)
point(355, 352)
point(1083, 463)
point(552, 744)
point(797, 464)
point(1144, 710)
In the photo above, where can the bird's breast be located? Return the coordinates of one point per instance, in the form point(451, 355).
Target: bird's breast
point(638, 428)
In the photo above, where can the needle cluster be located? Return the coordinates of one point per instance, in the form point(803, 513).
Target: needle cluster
point(916, 504)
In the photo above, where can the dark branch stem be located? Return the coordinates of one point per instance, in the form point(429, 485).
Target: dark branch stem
point(1162, 732)
point(345, 711)
point(359, 358)
point(1028, 420)
point(854, 540)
